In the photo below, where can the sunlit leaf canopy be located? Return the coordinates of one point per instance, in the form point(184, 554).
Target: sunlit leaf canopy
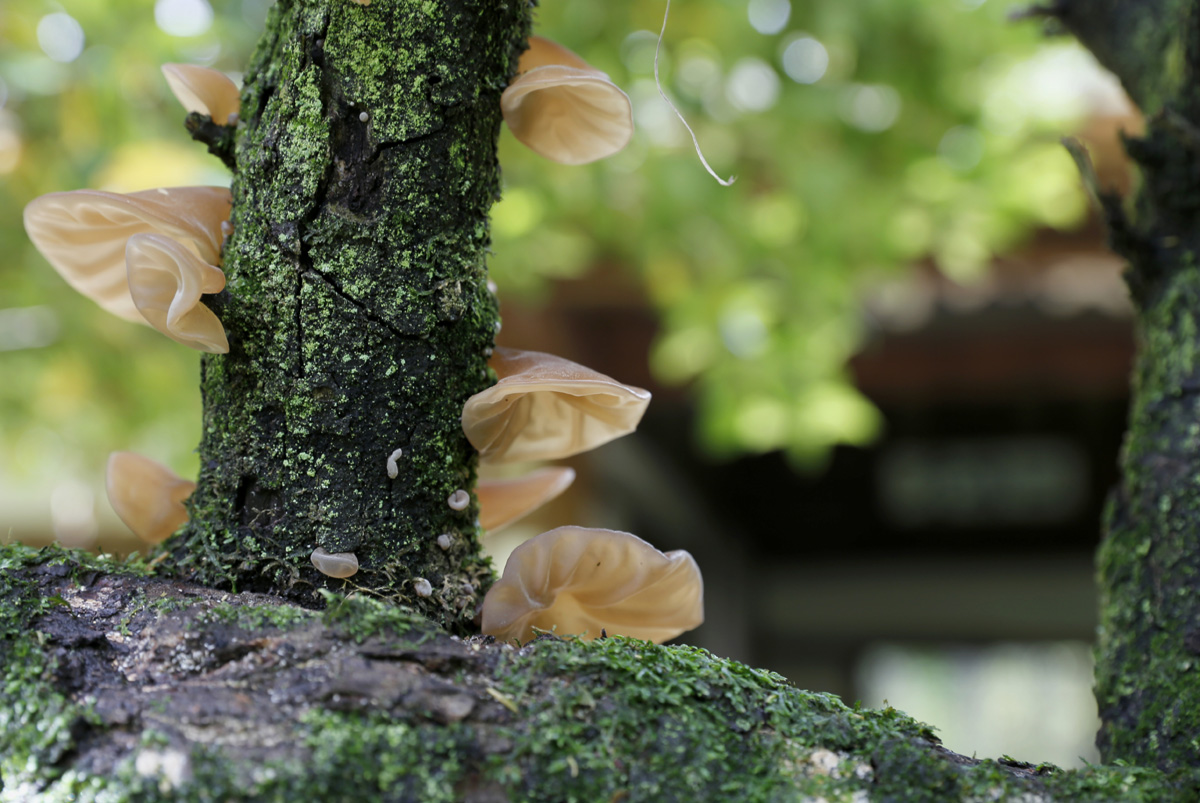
point(866, 135)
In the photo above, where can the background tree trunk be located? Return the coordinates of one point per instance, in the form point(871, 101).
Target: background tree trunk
point(357, 306)
point(1148, 653)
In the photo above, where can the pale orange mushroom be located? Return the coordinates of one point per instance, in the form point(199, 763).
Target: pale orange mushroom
point(582, 581)
point(83, 234)
point(563, 108)
point(204, 90)
point(166, 281)
point(146, 495)
point(546, 408)
point(502, 502)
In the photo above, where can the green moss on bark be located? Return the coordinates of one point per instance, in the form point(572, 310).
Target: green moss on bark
point(39, 724)
point(357, 306)
point(1148, 650)
point(1148, 656)
point(369, 701)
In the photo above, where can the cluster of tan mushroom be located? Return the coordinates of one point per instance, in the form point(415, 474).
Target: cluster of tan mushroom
point(572, 580)
point(150, 256)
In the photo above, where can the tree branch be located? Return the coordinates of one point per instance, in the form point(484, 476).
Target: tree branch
point(130, 685)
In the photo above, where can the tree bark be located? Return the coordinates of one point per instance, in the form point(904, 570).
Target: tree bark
point(118, 686)
point(1148, 652)
point(357, 306)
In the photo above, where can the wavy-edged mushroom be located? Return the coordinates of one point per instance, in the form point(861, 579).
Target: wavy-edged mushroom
point(579, 580)
point(166, 281)
point(204, 90)
point(563, 108)
point(146, 495)
point(502, 502)
point(546, 408)
point(83, 234)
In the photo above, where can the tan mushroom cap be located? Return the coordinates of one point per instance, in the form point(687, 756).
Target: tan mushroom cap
point(83, 234)
point(166, 281)
point(564, 109)
point(204, 90)
point(502, 502)
point(546, 408)
point(576, 580)
point(147, 495)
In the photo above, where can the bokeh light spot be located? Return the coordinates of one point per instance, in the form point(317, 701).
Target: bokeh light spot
point(769, 16)
point(518, 212)
point(60, 36)
point(743, 332)
point(10, 150)
point(753, 86)
point(183, 17)
point(805, 60)
point(871, 108)
point(961, 148)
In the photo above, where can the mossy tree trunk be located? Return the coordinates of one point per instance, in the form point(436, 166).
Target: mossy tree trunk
point(1148, 654)
point(357, 306)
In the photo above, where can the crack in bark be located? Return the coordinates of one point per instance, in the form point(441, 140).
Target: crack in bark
point(358, 305)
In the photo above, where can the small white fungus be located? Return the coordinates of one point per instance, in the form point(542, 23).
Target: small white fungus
point(459, 500)
point(445, 541)
point(422, 587)
point(392, 469)
point(363, 117)
point(335, 564)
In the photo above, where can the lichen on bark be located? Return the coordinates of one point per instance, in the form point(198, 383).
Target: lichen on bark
point(357, 306)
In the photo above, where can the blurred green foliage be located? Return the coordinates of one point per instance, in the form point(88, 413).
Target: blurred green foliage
point(865, 134)
point(920, 134)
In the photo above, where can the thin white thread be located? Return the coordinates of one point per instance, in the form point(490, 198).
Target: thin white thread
point(658, 83)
